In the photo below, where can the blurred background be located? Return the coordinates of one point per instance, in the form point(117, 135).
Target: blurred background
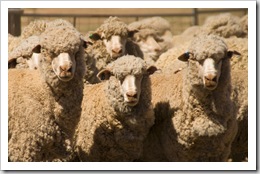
point(88, 19)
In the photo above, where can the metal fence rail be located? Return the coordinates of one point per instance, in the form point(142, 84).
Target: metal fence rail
point(15, 15)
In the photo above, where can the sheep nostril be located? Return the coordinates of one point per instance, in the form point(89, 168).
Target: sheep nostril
point(214, 79)
point(117, 50)
point(70, 69)
point(131, 94)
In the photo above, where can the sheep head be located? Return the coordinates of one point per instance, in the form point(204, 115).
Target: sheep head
point(128, 76)
point(59, 47)
point(114, 33)
point(206, 54)
point(148, 41)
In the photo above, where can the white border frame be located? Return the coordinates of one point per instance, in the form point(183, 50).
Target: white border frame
point(251, 165)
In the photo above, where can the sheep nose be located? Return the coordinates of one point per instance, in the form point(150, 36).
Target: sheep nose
point(211, 77)
point(157, 49)
point(131, 94)
point(66, 68)
point(117, 50)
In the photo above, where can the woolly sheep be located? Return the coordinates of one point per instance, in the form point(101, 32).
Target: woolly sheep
point(194, 119)
point(224, 25)
point(153, 36)
point(21, 53)
point(116, 114)
point(108, 43)
point(44, 105)
point(24, 53)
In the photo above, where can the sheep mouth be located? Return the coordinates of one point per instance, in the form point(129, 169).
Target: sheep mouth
point(132, 102)
point(116, 55)
point(65, 78)
point(211, 86)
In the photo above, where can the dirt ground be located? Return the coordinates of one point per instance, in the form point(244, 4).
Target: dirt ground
point(85, 24)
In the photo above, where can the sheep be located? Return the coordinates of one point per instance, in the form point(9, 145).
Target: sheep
point(23, 56)
point(153, 36)
point(44, 105)
point(224, 25)
point(194, 114)
point(108, 43)
point(239, 149)
point(116, 114)
point(21, 53)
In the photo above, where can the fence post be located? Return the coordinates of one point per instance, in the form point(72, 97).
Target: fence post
point(195, 16)
point(14, 21)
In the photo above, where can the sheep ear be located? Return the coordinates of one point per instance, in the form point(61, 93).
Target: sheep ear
point(104, 74)
point(184, 57)
point(151, 69)
point(95, 36)
point(37, 49)
point(132, 32)
point(231, 53)
point(85, 43)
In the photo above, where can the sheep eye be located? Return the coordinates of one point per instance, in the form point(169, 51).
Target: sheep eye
point(201, 61)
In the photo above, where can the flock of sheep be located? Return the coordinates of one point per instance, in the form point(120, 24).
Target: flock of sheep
point(129, 92)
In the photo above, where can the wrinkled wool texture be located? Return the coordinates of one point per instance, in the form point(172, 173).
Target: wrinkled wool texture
point(113, 26)
point(24, 50)
point(224, 25)
point(108, 129)
point(42, 110)
point(239, 150)
point(37, 27)
point(13, 42)
point(192, 123)
point(240, 45)
point(153, 25)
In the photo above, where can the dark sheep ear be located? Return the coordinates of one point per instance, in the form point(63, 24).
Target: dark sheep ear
point(37, 49)
point(184, 57)
point(231, 53)
point(95, 36)
point(151, 69)
point(132, 32)
point(104, 74)
point(84, 44)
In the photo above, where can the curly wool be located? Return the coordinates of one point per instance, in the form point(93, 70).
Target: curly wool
point(224, 25)
point(37, 27)
point(23, 51)
point(204, 46)
point(239, 150)
point(44, 131)
point(150, 26)
point(113, 26)
point(109, 130)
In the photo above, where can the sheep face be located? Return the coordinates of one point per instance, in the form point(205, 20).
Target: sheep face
point(64, 66)
point(127, 73)
point(115, 46)
point(209, 68)
point(209, 71)
point(150, 46)
point(131, 89)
